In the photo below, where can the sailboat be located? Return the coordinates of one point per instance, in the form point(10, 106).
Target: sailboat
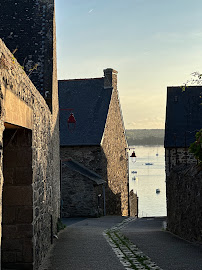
point(148, 163)
point(157, 152)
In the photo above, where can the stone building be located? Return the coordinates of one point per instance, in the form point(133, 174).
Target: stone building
point(29, 133)
point(183, 175)
point(183, 120)
point(96, 141)
point(26, 27)
point(184, 201)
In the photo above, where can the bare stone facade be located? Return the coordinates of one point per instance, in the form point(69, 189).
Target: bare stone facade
point(114, 146)
point(176, 156)
point(29, 131)
point(28, 27)
point(183, 175)
point(30, 173)
point(133, 204)
point(80, 195)
point(183, 120)
point(184, 201)
point(107, 157)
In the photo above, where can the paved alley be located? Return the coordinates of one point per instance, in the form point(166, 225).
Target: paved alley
point(120, 243)
point(165, 249)
point(82, 246)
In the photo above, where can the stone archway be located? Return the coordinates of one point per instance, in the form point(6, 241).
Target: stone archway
point(17, 206)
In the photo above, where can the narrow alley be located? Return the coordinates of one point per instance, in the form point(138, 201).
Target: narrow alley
point(119, 243)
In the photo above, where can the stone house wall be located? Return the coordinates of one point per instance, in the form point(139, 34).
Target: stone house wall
point(176, 156)
point(45, 157)
point(17, 197)
point(109, 159)
point(28, 26)
point(133, 204)
point(184, 197)
point(114, 146)
point(55, 136)
point(79, 194)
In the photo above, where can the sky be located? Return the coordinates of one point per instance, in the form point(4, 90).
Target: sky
point(151, 43)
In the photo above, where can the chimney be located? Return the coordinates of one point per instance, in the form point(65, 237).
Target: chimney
point(110, 78)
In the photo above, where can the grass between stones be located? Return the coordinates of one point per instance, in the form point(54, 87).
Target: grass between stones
point(128, 253)
point(124, 242)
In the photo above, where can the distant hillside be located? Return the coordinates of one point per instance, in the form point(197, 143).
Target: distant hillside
point(145, 136)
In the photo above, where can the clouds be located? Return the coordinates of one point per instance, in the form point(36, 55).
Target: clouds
point(148, 122)
point(143, 111)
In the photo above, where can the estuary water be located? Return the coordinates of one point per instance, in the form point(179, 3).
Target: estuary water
point(146, 176)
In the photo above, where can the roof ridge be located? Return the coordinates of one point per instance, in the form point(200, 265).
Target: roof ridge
point(82, 79)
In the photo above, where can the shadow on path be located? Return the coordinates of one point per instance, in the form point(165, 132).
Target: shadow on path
point(71, 221)
point(167, 250)
point(81, 245)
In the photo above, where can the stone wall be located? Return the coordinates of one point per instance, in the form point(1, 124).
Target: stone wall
point(133, 204)
point(55, 137)
point(108, 160)
point(45, 155)
point(176, 156)
point(17, 201)
point(79, 194)
point(1, 167)
point(184, 201)
point(28, 27)
point(114, 146)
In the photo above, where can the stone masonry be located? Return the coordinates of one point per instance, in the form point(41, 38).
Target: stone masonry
point(184, 201)
point(17, 201)
point(79, 194)
point(106, 155)
point(28, 27)
point(114, 146)
point(176, 156)
point(19, 97)
point(133, 204)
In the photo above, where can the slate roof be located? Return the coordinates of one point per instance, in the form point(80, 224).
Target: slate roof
point(76, 166)
point(183, 116)
point(90, 103)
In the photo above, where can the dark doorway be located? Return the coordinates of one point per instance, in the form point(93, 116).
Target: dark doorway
point(17, 206)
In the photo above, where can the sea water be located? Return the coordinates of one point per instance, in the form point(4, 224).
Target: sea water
point(146, 179)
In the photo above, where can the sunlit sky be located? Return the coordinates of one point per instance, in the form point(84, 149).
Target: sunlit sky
point(151, 43)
